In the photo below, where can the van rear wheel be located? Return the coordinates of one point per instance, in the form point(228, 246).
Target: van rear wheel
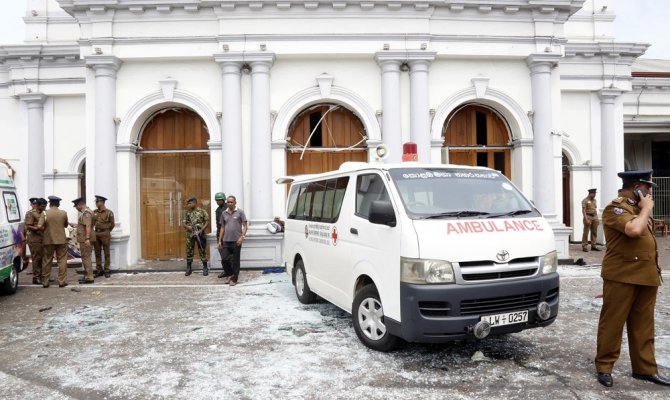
point(368, 315)
point(305, 295)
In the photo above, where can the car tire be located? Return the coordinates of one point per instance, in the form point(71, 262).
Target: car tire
point(12, 282)
point(302, 290)
point(368, 315)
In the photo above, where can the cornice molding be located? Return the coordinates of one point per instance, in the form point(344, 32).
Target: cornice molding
point(612, 50)
point(26, 53)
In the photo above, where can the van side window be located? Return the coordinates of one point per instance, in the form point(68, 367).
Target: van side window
point(317, 201)
point(369, 187)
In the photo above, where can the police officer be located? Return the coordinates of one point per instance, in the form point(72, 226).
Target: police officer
point(104, 223)
point(85, 236)
point(195, 223)
point(220, 198)
point(34, 223)
point(590, 214)
point(54, 240)
point(631, 277)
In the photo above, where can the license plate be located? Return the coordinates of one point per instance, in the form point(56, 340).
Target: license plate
point(509, 318)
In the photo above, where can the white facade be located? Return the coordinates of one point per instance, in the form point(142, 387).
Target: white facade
point(91, 73)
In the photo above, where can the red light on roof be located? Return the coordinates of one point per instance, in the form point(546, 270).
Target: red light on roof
point(409, 152)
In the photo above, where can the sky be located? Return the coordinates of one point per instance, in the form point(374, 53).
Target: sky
point(637, 21)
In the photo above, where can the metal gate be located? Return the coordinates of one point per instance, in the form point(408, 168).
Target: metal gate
point(662, 198)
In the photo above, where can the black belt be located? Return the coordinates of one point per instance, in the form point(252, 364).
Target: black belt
point(101, 229)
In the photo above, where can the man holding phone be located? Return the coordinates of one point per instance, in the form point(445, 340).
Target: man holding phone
point(631, 277)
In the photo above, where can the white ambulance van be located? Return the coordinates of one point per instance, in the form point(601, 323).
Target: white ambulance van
point(12, 237)
point(421, 252)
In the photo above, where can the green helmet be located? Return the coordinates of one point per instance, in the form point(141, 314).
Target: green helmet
point(220, 196)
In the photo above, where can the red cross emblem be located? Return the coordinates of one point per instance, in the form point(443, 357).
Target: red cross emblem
point(333, 235)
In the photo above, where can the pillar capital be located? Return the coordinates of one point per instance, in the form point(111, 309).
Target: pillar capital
point(542, 62)
point(33, 100)
point(259, 59)
point(609, 95)
point(104, 65)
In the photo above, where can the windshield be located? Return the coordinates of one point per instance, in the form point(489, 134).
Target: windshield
point(429, 193)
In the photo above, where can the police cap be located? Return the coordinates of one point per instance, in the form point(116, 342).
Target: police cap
point(34, 200)
point(54, 199)
point(192, 198)
point(78, 200)
point(592, 190)
point(643, 176)
point(100, 198)
point(220, 196)
point(42, 201)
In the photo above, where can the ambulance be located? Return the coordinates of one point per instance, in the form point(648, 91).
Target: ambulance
point(12, 237)
point(421, 252)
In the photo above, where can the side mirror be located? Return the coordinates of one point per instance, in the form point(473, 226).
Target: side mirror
point(382, 213)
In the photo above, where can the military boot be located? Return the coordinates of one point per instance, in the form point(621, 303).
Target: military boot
point(188, 269)
point(205, 270)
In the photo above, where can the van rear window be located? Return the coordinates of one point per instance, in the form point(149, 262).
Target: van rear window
point(317, 201)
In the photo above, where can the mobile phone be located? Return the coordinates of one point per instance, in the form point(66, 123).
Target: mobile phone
point(640, 193)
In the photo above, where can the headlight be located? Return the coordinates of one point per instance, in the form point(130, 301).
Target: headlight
point(550, 263)
point(413, 270)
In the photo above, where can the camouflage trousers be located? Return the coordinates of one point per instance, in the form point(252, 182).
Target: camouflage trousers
point(192, 243)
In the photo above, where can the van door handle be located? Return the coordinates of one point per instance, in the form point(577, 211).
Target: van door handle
point(354, 231)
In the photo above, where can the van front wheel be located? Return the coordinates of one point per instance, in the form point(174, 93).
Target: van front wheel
point(368, 315)
point(12, 282)
point(305, 295)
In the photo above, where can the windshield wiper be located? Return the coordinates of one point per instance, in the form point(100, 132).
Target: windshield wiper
point(457, 214)
point(511, 213)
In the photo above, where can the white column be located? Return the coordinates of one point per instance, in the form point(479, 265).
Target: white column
point(610, 141)
point(544, 191)
point(35, 104)
point(419, 109)
point(105, 171)
point(231, 124)
point(391, 121)
point(261, 151)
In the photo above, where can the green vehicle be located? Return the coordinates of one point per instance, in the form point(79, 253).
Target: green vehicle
point(12, 235)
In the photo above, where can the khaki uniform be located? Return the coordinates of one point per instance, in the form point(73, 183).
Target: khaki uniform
point(104, 223)
point(86, 218)
point(54, 240)
point(631, 277)
point(35, 218)
point(591, 210)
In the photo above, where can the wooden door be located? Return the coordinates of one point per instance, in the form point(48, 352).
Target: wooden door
point(478, 136)
point(333, 136)
point(173, 168)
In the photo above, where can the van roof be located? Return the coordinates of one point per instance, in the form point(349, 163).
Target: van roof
point(5, 178)
point(353, 166)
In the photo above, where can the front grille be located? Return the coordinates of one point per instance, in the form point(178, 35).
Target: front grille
point(434, 308)
point(499, 304)
point(499, 275)
point(488, 263)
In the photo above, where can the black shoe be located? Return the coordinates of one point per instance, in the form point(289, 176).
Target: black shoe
point(584, 249)
point(594, 248)
point(45, 286)
point(605, 379)
point(658, 379)
point(205, 272)
point(223, 275)
point(107, 274)
point(188, 270)
point(85, 282)
point(98, 274)
point(63, 285)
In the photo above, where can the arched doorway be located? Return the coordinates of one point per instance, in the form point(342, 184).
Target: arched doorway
point(174, 165)
point(477, 135)
point(322, 137)
point(566, 190)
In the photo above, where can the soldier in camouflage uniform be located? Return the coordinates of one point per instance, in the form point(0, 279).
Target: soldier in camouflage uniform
point(195, 223)
point(34, 219)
